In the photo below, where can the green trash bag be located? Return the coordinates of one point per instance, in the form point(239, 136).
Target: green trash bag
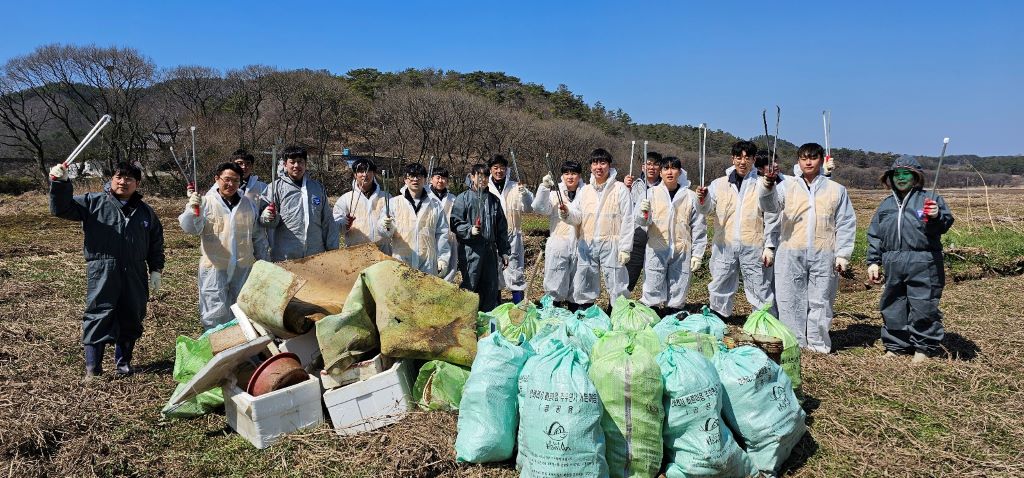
point(706, 322)
point(667, 326)
point(585, 333)
point(191, 355)
point(762, 322)
point(760, 405)
point(517, 322)
point(548, 311)
point(560, 433)
point(625, 369)
point(628, 314)
point(439, 386)
point(704, 344)
point(489, 411)
point(696, 440)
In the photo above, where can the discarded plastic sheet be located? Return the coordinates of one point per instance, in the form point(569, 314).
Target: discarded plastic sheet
point(217, 369)
point(405, 314)
point(265, 296)
point(329, 278)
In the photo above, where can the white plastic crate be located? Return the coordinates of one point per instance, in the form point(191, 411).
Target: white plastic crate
point(356, 372)
point(370, 404)
point(264, 419)
point(305, 346)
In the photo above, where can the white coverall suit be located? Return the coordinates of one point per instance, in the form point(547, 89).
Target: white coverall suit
point(742, 233)
point(605, 216)
point(418, 238)
point(676, 231)
point(560, 248)
point(230, 241)
point(817, 225)
point(453, 257)
point(514, 204)
point(367, 212)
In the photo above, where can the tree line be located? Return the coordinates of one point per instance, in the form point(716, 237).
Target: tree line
point(49, 99)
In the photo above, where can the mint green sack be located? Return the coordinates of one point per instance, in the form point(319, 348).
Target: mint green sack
point(560, 433)
point(705, 322)
point(760, 405)
point(628, 314)
point(439, 385)
point(667, 326)
point(762, 322)
point(625, 371)
point(697, 442)
point(489, 411)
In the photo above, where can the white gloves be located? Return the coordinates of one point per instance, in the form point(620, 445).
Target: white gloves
point(58, 172)
point(389, 222)
point(694, 264)
point(768, 257)
point(645, 205)
point(194, 200)
point(522, 189)
point(475, 231)
point(623, 257)
point(442, 265)
point(269, 213)
point(504, 261)
point(154, 283)
point(548, 181)
point(931, 208)
point(875, 273)
point(563, 212)
point(828, 165)
point(842, 264)
point(767, 183)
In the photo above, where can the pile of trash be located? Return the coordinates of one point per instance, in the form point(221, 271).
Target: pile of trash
point(631, 394)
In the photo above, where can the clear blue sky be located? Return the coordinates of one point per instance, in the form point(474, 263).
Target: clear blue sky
point(898, 76)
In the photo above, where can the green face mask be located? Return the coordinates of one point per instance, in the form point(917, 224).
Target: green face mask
point(902, 179)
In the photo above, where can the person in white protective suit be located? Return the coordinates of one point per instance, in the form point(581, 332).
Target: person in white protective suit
point(604, 212)
point(640, 188)
point(676, 238)
point(817, 232)
point(418, 225)
point(230, 239)
point(251, 187)
point(515, 200)
point(295, 212)
point(439, 190)
point(560, 248)
point(358, 211)
point(745, 236)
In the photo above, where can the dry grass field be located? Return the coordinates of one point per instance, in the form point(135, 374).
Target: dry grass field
point(958, 415)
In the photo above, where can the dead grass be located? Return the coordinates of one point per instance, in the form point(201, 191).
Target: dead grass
point(869, 416)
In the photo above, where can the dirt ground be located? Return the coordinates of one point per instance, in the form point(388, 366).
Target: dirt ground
point(868, 416)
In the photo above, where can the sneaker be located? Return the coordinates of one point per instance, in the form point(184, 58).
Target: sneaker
point(125, 370)
point(919, 357)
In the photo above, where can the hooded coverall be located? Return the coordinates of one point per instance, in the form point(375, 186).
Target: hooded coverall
point(123, 243)
point(366, 212)
point(742, 232)
point(303, 225)
point(640, 191)
point(230, 240)
point(817, 225)
point(419, 236)
point(252, 188)
point(479, 255)
point(676, 231)
point(909, 248)
point(560, 248)
point(447, 202)
point(605, 215)
point(513, 203)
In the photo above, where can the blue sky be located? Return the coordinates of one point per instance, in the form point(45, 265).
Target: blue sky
point(897, 76)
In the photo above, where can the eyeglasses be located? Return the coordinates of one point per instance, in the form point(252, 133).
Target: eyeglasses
point(229, 180)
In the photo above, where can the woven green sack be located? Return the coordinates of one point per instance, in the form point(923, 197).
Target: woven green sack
point(439, 386)
point(628, 314)
point(762, 322)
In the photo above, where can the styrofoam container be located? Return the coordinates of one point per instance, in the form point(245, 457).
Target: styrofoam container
point(264, 419)
point(305, 346)
point(358, 371)
point(372, 403)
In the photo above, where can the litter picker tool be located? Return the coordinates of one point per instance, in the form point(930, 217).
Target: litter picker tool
point(938, 167)
point(632, 152)
point(95, 131)
point(767, 138)
point(430, 169)
point(702, 140)
point(180, 166)
point(643, 160)
point(551, 171)
point(775, 142)
point(195, 177)
point(826, 121)
point(515, 165)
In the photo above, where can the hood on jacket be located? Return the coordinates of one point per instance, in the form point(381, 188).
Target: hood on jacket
point(907, 162)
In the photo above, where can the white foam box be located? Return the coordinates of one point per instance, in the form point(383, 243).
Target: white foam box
point(358, 371)
point(305, 346)
point(264, 419)
point(372, 403)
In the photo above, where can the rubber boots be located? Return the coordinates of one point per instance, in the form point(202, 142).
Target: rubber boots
point(123, 357)
point(517, 296)
point(93, 361)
